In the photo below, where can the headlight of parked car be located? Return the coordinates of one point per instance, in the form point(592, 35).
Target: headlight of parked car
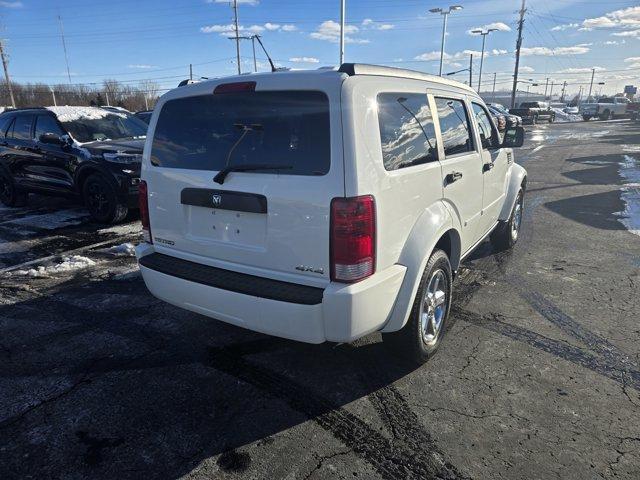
point(123, 157)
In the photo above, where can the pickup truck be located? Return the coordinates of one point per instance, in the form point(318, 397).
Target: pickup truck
point(534, 111)
point(606, 108)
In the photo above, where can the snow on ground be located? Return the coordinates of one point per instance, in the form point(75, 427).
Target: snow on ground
point(562, 117)
point(122, 250)
point(630, 172)
point(125, 229)
point(70, 114)
point(47, 221)
point(68, 264)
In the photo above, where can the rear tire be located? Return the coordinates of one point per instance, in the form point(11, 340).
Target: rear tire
point(9, 193)
point(420, 338)
point(586, 118)
point(506, 234)
point(101, 199)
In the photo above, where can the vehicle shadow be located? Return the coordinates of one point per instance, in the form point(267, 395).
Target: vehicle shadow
point(109, 382)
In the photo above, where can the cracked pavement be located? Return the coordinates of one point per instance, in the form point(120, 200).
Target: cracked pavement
point(538, 376)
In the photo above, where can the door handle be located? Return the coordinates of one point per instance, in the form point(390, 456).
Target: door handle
point(488, 166)
point(453, 176)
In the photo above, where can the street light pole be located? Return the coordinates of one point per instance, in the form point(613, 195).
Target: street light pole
point(484, 34)
point(593, 74)
point(546, 86)
point(445, 14)
point(342, 14)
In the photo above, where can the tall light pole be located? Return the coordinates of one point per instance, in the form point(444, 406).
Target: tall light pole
point(342, 14)
point(593, 74)
point(445, 14)
point(484, 34)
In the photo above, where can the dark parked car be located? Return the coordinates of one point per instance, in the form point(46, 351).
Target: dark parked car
point(534, 112)
point(89, 152)
point(513, 121)
point(144, 115)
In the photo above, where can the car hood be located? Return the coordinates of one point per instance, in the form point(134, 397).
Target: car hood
point(124, 146)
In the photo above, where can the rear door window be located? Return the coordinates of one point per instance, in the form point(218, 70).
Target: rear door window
point(454, 126)
point(22, 128)
point(407, 133)
point(208, 132)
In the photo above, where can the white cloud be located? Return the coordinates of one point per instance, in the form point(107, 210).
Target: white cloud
point(330, 32)
point(368, 23)
point(141, 66)
point(527, 70)
point(625, 18)
point(582, 70)
point(627, 33)
point(240, 2)
point(11, 4)
point(632, 60)
point(229, 29)
point(304, 60)
point(463, 55)
point(558, 51)
point(502, 27)
point(566, 26)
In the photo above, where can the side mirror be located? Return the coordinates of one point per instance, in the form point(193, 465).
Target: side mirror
point(51, 139)
point(513, 137)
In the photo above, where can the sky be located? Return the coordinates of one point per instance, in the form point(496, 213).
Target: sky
point(132, 41)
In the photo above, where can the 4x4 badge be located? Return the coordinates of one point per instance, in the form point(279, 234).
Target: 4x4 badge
point(216, 199)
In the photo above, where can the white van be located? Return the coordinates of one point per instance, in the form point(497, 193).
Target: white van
point(324, 205)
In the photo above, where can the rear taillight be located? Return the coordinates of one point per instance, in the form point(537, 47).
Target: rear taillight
point(143, 202)
point(353, 238)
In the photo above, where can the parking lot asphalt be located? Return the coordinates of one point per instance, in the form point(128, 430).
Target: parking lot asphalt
point(538, 377)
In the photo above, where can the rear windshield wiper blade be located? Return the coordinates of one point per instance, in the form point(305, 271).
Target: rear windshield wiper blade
point(222, 174)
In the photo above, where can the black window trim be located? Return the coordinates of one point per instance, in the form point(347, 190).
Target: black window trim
point(12, 120)
point(462, 99)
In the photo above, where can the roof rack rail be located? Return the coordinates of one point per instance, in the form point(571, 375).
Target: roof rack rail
point(352, 69)
point(11, 109)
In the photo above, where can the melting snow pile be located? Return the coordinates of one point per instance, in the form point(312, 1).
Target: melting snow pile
point(122, 250)
point(566, 117)
point(68, 264)
point(630, 171)
point(70, 114)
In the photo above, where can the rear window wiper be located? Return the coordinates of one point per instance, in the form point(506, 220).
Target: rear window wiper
point(222, 174)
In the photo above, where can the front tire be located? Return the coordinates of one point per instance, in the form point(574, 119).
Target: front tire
point(506, 234)
point(9, 193)
point(102, 201)
point(420, 338)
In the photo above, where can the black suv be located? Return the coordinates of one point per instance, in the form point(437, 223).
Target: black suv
point(90, 152)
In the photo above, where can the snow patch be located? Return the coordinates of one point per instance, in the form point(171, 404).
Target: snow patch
point(68, 264)
point(630, 172)
point(122, 250)
point(126, 229)
point(49, 221)
point(562, 117)
point(70, 114)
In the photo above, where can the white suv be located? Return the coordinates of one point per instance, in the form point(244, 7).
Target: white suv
point(324, 205)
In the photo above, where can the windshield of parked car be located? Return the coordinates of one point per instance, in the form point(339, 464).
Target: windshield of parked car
point(96, 124)
point(210, 132)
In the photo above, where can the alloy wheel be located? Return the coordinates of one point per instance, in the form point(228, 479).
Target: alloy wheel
point(433, 307)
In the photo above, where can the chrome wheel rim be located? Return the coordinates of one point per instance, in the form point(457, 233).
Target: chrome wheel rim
point(433, 307)
point(517, 219)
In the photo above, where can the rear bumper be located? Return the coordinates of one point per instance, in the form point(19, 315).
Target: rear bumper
point(344, 312)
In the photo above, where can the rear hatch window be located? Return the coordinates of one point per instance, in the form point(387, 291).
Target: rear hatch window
point(208, 132)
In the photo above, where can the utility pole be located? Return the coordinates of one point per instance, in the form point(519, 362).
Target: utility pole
point(564, 87)
point(253, 46)
point(471, 70)
point(493, 95)
point(593, 74)
point(235, 12)
point(518, 46)
point(546, 86)
point(551, 91)
point(342, 15)
point(53, 94)
point(64, 48)
point(6, 75)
